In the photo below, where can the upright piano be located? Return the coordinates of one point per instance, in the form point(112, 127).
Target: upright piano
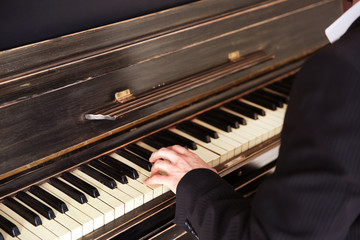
point(81, 113)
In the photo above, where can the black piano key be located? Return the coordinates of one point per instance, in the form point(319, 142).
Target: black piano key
point(49, 199)
point(242, 110)
point(113, 173)
point(194, 132)
point(156, 143)
point(100, 177)
point(202, 129)
point(197, 131)
point(23, 211)
point(36, 204)
point(286, 84)
point(215, 122)
point(69, 190)
point(229, 116)
point(164, 140)
point(257, 110)
point(81, 184)
point(129, 171)
point(265, 103)
point(180, 140)
point(222, 116)
point(9, 227)
point(275, 101)
point(283, 85)
point(161, 138)
point(281, 98)
point(171, 138)
point(135, 159)
point(278, 89)
point(167, 138)
point(142, 152)
point(289, 80)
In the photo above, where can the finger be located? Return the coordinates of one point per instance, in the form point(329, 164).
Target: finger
point(161, 180)
point(156, 179)
point(164, 153)
point(161, 166)
point(179, 149)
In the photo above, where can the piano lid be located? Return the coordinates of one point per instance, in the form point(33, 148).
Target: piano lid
point(46, 88)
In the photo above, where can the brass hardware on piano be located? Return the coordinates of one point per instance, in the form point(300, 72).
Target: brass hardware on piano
point(210, 75)
point(123, 96)
point(234, 56)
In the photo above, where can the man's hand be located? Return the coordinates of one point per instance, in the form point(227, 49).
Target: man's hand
point(171, 164)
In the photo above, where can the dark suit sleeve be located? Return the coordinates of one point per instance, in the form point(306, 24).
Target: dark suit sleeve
point(315, 190)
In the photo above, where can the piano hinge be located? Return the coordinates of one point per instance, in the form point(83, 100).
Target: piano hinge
point(234, 56)
point(123, 96)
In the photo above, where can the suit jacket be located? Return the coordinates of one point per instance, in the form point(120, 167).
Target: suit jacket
point(315, 190)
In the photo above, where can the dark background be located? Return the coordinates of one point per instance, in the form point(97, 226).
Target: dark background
point(27, 21)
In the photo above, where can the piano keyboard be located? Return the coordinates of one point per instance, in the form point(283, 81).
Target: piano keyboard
point(85, 199)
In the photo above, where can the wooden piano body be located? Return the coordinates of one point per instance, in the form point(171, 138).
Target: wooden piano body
point(57, 97)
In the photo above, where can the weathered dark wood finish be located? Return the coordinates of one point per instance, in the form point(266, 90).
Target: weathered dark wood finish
point(46, 88)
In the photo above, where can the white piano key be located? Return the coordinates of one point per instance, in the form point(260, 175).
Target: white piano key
point(240, 141)
point(279, 113)
point(86, 222)
point(53, 226)
point(222, 153)
point(272, 118)
point(143, 174)
point(73, 226)
point(111, 195)
point(40, 231)
point(249, 132)
point(25, 234)
point(157, 189)
point(241, 134)
point(242, 138)
point(275, 92)
point(275, 122)
point(98, 211)
point(146, 146)
point(260, 133)
point(255, 125)
point(7, 236)
point(198, 151)
point(233, 147)
point(150, 148)
point(148, 192)
point(129, 163)
point(253, 135)
point(113, 207)
point(122, 195)
point(166, 189)
point(209, 157)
